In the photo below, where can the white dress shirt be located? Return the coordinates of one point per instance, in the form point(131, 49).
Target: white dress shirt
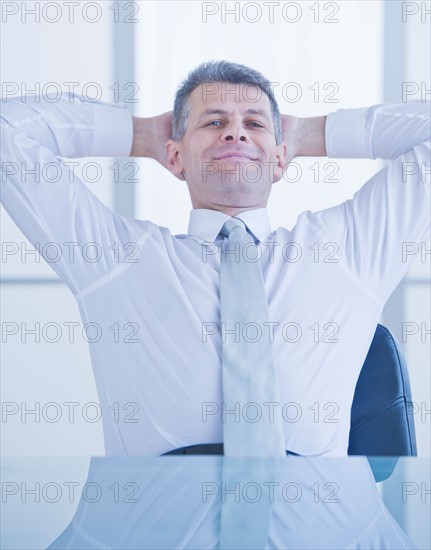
point(327, 279)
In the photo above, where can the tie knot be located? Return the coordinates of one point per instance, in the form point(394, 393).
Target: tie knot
point(230, 224)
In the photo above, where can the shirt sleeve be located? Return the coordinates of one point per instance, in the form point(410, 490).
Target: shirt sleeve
point(44, 196)
point(388, 219)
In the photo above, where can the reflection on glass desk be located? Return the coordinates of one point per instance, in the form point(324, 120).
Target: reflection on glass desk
point(215, 502)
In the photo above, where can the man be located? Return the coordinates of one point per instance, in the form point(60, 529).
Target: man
point(327, 280)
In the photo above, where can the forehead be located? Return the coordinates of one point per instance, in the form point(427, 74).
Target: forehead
point(229, 97)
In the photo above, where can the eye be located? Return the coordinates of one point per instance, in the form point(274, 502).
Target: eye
point(258, 125)
point(213, 122)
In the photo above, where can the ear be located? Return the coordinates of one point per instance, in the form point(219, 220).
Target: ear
point(173, 161)
point(282, 161)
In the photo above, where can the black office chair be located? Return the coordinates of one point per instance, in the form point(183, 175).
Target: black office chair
point(381, 416)
point(381, 422)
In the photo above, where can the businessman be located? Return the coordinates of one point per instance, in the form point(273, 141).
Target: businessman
point(326, 281)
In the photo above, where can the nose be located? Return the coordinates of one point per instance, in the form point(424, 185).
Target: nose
point(230, 137)
point(235, 132)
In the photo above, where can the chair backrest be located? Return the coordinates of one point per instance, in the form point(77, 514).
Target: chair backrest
point(381, 416)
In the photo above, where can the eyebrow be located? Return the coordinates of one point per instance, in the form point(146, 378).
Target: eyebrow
point(207, 112)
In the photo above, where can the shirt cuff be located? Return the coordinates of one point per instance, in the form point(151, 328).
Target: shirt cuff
point(113, 130)
point(346, 134)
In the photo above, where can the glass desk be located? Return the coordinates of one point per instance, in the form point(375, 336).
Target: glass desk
point(215, 502)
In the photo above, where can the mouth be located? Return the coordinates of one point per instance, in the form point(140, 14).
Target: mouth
point(236, 157)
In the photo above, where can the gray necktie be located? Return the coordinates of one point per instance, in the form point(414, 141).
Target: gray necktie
point(252, 422)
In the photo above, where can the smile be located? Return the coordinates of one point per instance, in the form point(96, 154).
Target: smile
point(237, 157)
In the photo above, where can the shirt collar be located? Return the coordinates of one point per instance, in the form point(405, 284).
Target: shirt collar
point(206, 224)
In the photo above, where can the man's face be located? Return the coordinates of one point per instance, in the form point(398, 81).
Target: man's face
point(228, 155)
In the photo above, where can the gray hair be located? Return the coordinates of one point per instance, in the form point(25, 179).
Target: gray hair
point(218, 72)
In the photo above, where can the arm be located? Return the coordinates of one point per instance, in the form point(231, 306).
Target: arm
point(61, 209)
point(393, 207)
point(305, 137)
point(308, 136)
